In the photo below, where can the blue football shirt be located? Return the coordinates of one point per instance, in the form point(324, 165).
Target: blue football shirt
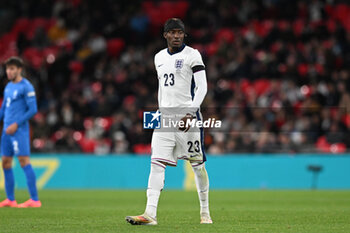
point(19, 104)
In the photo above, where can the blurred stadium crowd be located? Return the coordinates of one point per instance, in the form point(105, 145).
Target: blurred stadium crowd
point(278, 71)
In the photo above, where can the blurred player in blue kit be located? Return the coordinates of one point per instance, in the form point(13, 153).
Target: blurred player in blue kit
point(19, 105)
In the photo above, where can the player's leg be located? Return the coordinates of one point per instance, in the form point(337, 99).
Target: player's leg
point(155, 186)
point(31, 183)
point(9, 177)
point(200, 173)
point(9, 183)
point(162, 155)
point(30, 176)
point(6, 151)
point(202, 183)
point(22, 150)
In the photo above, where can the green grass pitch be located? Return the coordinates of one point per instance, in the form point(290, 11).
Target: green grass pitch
point(232, 211)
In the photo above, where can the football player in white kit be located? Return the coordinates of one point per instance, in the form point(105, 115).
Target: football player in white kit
point(182, 85)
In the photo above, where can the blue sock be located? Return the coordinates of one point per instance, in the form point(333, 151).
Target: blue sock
point(9, 184)
point(31, 182)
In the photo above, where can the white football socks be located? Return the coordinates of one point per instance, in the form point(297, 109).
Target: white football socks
point(202, 182)
point(155, 186)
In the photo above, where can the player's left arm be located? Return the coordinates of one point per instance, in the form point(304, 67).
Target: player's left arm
point(30, 100)
point(201, 86)
point(200, 80)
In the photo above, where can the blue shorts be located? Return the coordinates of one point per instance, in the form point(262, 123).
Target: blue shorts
point(17, 144)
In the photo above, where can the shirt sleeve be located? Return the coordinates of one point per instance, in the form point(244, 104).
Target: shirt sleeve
point(155, 62)
point(30, 100)
point(201, 89)
point(159, 90)
point(196, 59)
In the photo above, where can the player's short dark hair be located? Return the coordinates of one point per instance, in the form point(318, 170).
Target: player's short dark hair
point(15, 61)
point(174, 23)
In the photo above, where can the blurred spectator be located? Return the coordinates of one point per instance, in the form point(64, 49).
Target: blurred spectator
point(121, 145)
point(65, 141)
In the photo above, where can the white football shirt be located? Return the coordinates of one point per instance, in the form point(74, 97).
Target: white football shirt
point(175, 76)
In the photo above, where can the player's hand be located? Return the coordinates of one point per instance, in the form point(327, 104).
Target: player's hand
point(12, 129)
point(186, 119)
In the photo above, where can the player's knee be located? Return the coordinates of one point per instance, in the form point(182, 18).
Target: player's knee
point(198, 166)
point(23, 160)
point(155, 164)
point(165, 164)
point(6, 163)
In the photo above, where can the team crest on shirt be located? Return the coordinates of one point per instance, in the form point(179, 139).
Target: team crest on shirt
point(179, 63)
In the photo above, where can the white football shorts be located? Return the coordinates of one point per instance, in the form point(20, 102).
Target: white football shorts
point(168, 147)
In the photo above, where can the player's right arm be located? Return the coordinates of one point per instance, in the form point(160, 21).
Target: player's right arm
point(2, 111)
point(159, 89)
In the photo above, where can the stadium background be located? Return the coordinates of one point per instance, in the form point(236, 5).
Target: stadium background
point(278, 77)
